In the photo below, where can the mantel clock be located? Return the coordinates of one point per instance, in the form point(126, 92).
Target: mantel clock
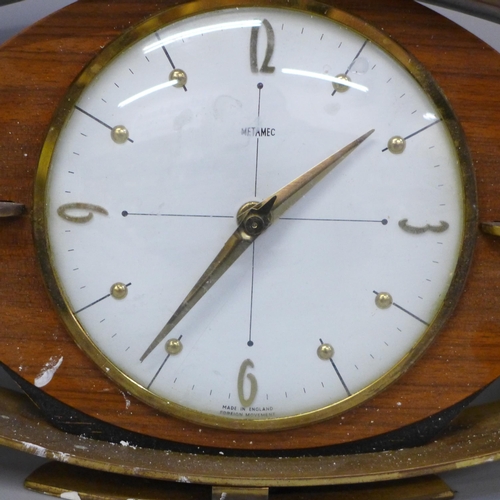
point(249, 228)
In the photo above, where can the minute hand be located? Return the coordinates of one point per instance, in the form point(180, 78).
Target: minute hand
point(293, 191)
point(253, 223)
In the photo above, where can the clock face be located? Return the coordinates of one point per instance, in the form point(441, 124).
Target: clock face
point(154, 159)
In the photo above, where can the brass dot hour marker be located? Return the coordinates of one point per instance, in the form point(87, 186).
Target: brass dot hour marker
point(120, 134)
point(180, 76)
point(338, 86)
point(119, 291)
point(173, 346)
point(396, 145)
point(325, 351)
point(383, 300)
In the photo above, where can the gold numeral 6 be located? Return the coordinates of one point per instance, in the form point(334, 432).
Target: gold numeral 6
point(241, 381)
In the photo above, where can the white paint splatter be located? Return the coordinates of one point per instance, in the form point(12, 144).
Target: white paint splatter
point(34, 449)
point(71, 495)
point(183, 479)
point(127, 401)
point(48, 371)
point(128, 445)
point(62, 457)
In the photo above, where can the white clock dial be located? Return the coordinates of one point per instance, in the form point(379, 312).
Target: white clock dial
point(161, 148)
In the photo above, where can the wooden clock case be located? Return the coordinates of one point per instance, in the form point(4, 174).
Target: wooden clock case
point(36, 69)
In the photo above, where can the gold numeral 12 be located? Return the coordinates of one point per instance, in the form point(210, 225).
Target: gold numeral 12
point(254, 37)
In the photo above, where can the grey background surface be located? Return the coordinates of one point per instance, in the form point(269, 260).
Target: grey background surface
point(476, 483)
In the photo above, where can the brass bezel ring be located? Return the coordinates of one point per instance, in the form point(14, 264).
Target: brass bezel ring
point(145, 28)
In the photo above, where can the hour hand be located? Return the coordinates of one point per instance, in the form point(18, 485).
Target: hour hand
point(296, 189)
point(253, 223)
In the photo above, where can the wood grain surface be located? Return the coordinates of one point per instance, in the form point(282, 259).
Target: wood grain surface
point(35, 70)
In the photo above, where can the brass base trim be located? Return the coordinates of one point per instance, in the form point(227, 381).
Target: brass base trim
point(473, 438)
point(62, 480)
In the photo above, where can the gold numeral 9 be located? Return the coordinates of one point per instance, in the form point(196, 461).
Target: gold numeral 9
point(66, 212)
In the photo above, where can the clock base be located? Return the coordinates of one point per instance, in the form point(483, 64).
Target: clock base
point(471, 439)
point(72, 421)
point(62, 480)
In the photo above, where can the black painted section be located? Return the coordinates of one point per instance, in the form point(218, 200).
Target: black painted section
point(75, 422)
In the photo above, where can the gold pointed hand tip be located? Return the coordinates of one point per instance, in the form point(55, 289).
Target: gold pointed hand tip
point(368, 134)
